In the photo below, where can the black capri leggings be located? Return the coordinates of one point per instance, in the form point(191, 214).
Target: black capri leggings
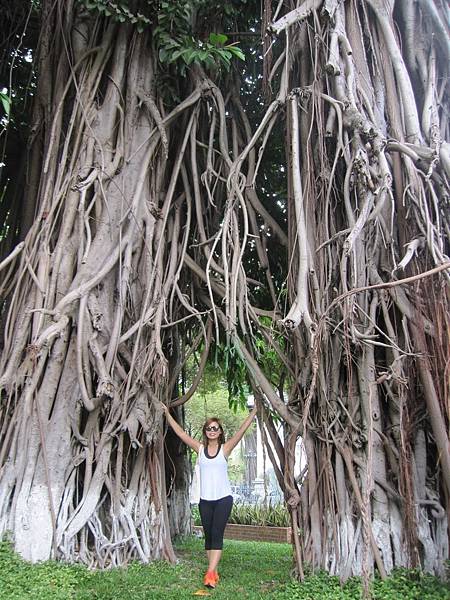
point(214, 515)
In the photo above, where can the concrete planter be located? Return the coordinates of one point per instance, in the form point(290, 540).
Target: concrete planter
point(254, 533)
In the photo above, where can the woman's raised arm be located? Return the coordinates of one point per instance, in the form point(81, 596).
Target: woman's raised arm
point(184, 437)
point(230, 444)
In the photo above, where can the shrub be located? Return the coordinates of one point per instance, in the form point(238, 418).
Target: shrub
point(275, 515)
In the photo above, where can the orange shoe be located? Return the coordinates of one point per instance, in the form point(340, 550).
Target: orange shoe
point(216, 575)
point(209, 580)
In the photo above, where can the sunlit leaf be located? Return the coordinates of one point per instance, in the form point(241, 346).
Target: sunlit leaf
point(6, 103)
point(218, 39)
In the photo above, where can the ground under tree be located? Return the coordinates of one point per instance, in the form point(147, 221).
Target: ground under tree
point(174, 213)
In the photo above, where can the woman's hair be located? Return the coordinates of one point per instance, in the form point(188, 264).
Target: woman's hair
point(207, 424)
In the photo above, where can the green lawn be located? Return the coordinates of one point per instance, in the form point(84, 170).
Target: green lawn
point(249, 570)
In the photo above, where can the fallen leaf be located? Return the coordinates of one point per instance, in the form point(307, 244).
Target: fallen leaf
point(201, 593)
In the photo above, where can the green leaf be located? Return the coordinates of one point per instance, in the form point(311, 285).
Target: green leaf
point(6, 103)
point(237, 52)
point(226, 54)
point(177, 54)
point(169, 43)
point(203, 55)
point(190, 55)
point(209, 61)
point(218, 39)
point(163, 55)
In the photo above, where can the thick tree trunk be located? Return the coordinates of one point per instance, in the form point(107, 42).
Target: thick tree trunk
point(362, 183)
point(82, 455)
point(345, 192)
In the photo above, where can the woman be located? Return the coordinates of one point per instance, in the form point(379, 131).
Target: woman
point(215, 490)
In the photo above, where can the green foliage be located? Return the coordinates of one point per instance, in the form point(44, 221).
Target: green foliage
point(213, 378)
point(156, 581)
point(119, 12)
point(174, 30)
point(404, 584)
point(230, 360)
point(195, 514)
point(6, 103)
point(212, 53)
point(275, 515)
point(212, 404)
point(266, 355)
point(20, 580)
point(185, 49)
point(226, 370)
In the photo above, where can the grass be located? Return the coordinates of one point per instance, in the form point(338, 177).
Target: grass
point(249, 571)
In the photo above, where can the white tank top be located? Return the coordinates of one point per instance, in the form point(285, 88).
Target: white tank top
point(214, 482)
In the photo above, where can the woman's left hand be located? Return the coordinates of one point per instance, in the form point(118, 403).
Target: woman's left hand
point(165, 408)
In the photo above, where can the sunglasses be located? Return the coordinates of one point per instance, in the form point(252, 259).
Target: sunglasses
point(212, 428)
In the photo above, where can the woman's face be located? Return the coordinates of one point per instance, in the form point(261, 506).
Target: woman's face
point(213, 431)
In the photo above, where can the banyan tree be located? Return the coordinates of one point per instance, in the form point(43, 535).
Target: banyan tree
point(268, 181)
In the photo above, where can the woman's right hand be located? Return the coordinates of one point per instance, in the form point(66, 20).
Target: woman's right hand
point(187, 439)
